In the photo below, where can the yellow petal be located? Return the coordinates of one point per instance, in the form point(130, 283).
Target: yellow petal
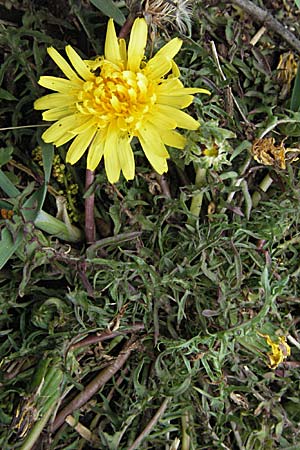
point(170, 49)
point(161, 121)
point(149, 133)
point(170, 88)
point(162, 63)
point(79, 145)
point(157, 67)
point(94, 64)
point(60, 84)
point(64, 139)
point(58, 129)
point(175, 70)
point(182, 119)
point(169, 85)
point(200, 91)
point(78, 64)
point(173, 139)
point(96, 151)
point(112, 49)
point(54, 101)
point(181, 101)
point(86, 122)
point(126, 158)
point(137, 44)
point(123, 51)
point(157, 162)
point(154, 148)
point(58, 113)
point(62, 64)
point(111, 158)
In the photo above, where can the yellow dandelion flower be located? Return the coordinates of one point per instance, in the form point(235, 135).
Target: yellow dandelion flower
point(103, 104)
point(279, 350)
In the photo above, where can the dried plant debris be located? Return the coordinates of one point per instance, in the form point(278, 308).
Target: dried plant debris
point(178, 326)
point(165, 13)
point(266, 152)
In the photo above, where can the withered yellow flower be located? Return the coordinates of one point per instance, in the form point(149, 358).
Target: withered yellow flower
point(104, 103)
point(266, 152)
point(279, 350)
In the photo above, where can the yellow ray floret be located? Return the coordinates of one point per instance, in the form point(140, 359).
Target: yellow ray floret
point(279, 350)
point(102, 104)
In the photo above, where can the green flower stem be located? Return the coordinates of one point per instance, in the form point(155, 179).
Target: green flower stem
point(38, 428)
point(47, 382)
point(185, 423)
point(200, 181)
point(264, 186)
point(90, 233)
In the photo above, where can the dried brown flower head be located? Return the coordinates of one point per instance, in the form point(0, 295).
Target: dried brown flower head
point(163, 13)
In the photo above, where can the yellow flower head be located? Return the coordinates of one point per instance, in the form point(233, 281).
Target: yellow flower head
point(103, 104)
point(279, 351)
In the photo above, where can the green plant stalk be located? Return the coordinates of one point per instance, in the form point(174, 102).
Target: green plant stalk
point(186, 440)
point(47, 382)
point(264, 186)
point(50, 386)
point(196, 204)
point(295, 100)
point(89, 204)
point(38, 427)
point(40, 374)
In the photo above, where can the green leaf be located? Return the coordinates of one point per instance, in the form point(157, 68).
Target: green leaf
point(35, 203)
point(48, 153)
point(8, 246)
point(5, 155)
point(55, 227)
point(5, 95)
point(295, 100)
point(7, 186)
point(109, 9)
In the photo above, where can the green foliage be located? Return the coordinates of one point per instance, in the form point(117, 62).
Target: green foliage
point(108, 8)
point(194, 291)
point(295, 100)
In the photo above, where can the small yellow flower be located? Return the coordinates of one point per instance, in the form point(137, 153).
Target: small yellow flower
point(280, 351)
point(103, 104)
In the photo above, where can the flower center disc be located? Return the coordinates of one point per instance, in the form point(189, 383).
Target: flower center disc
point(122, 96)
